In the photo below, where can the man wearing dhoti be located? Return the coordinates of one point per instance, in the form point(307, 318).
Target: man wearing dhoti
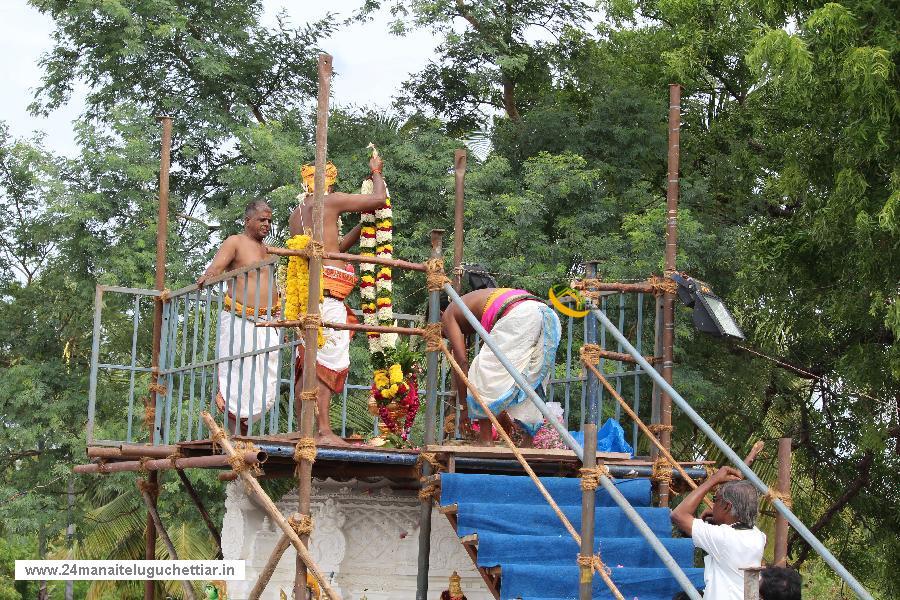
point(527, 331)
point(339, 279)
point(247, 386)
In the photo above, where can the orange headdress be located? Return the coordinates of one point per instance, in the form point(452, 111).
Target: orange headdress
point(308, 173)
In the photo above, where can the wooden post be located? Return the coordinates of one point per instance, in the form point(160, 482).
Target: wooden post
point(671, 248)
point(459, 170)
point(784, 487)
point(431, 378)
point(162, 235)
point(307, 408)
point(751, 583)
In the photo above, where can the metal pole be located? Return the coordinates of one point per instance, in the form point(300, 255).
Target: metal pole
point(784, 487)
point(162, 234)
point(704, 427)
point(459, 171)
point(306, 409)
point(431, 372)
point(668, 349)
point(589, 428)
point(566, 437)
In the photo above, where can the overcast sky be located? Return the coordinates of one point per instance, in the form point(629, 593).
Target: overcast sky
point(370, 64)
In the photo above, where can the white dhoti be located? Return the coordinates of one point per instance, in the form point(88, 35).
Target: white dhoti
point(333, 358)
point(528, 335)
point(248, 386)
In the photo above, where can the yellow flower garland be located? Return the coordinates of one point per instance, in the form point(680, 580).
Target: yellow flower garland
point(297, 286)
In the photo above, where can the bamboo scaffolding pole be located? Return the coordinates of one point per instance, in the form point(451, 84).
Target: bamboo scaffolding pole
point(348, 326)
point(459, 175)
point(644, 429)
point(600, 569)
point(157, 523)
point(266, 575)
point(307, 405)
point(387, 262)
point(624, 357)
point(784, 488)
point(164, 464)
point(271, 510)
point(668, 346)
point(204, 514)
point(131, 450)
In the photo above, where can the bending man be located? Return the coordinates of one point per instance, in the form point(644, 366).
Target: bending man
point(527, 332)
point(247, 387)
point(333, 359)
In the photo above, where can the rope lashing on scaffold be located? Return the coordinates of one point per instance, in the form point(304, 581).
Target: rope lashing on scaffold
point(662, 471)
point(304, 451)
point(164, 296)
point(590, 353)
point(784, 497)
point(590, 477)
point(158, 388)
point(435, 277)
point(174, 457)
point(528, 470)
point(431, 459)
point(433, 333)
point(147, 487)
point(663, 285)
point(315, 248)
point(236, 460)
point(657, 428)
point(311, 321)
point(301, 524)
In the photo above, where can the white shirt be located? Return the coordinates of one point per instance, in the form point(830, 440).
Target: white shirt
point(728, 551)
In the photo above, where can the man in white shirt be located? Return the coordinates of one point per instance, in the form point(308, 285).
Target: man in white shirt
point(727, 532)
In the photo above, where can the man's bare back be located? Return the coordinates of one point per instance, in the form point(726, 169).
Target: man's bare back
point(242, 250)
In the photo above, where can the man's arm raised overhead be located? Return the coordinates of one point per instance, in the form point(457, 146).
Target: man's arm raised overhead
point(339, 202)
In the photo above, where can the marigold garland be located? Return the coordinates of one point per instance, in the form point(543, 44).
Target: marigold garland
point(393, 392)
point(296, 297)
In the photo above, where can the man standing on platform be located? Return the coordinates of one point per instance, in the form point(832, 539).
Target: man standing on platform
point(726, 532)
point(333, 358)
point(528, 333)
point(240, 382)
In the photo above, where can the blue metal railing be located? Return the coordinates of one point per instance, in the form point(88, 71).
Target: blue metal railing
point(191, 360)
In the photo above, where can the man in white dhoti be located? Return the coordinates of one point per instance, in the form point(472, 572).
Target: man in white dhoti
point(247, 386)
point(333, 359)
point(527, 332)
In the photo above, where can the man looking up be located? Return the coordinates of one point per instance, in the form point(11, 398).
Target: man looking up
point(246, 387)
point(726, 532)
point(333, 358)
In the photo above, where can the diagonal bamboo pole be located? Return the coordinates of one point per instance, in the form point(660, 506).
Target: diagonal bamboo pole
point(601, 569)
point(267, 505)
point(646, 431)
point(270, 567)
point(154, 515)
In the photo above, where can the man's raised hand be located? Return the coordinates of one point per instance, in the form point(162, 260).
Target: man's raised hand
point(376, 164)
point(725, 474)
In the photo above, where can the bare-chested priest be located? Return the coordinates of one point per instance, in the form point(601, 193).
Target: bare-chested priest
point(247, 387)
point(339, 279)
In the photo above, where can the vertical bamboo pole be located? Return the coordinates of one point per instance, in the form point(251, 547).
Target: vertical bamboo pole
point(459, 170)
point(431, 383)
point(307, 408)
point(671, 248)
point(784, 487)
point(589, 461)
point(162, 234)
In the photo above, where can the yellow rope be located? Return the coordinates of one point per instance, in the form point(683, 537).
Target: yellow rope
point(590, 477)
point(435, 277)
point(236, 460)
point(305, 450)
point(429, 493)
point(174, 457)
point(164, 295)
point(311, 321)
point(773, 495)
point(663, 285)
point(590, 353)
point(311, 396)
point(662, 471)
point(102, 467)
point(301, 524)
point(431, 459)
point(534, 478)
point(657, 428)
point(433, 334)
point(316, 249)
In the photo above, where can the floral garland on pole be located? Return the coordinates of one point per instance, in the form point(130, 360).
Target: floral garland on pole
point(296, 295)
point(394, 395)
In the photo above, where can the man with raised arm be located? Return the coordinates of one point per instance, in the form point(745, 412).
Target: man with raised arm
point(247, 387)
point(527, 332)
point(726, 532)
point(339, 279)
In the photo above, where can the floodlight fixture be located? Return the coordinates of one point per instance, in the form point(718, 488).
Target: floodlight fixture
point(710, 314)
